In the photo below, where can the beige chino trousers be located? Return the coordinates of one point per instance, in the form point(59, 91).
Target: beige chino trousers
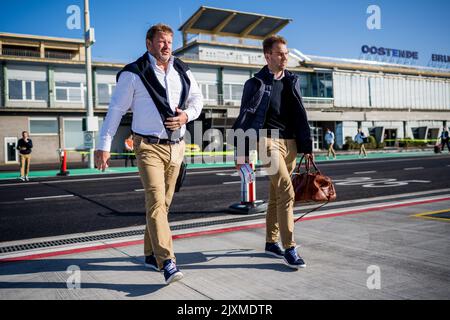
point(280, 211)
point(159, 165)
point(25, 160)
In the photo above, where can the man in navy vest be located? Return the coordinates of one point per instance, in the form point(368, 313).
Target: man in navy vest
point(272, 100)
point(445, 139)
point(163, 96)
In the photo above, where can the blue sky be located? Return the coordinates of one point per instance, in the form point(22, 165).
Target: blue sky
point(335, 28)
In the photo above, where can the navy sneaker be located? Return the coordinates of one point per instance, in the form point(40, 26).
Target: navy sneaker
point(150, 262)
point(274, 249)
point(292, 259)
point(171, 272)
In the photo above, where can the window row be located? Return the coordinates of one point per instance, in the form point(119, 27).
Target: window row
point(32, 90)
point(73, 130)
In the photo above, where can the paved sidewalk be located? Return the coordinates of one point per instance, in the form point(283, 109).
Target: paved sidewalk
point(343, 255)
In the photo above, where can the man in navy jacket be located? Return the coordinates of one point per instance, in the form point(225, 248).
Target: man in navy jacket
point(271, 100)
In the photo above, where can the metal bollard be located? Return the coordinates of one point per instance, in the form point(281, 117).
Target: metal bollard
point(249, 204)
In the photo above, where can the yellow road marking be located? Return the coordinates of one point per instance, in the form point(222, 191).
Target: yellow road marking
point(425, 215)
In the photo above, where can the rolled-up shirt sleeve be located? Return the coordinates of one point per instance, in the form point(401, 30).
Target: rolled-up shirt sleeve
point(194, 103)
point(121, 101)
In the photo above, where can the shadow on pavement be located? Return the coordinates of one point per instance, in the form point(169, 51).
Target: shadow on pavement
point(186, 261)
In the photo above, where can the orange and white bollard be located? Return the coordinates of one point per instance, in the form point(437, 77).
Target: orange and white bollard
point(63, 163)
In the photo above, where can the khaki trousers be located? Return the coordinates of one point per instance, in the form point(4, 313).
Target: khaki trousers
point(25, 160)
point(280, 211)
point(159, 165)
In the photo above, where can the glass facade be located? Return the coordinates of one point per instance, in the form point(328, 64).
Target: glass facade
point(104, 93)
point(69, 91)
point(73, 134)
point(15, 89)
point(209, 91)
point(30, 90)
point(316, 85)
point(232, 91)
point(44, 126)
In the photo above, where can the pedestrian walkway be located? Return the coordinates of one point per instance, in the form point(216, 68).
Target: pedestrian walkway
point(394, 252)
point(8, 172)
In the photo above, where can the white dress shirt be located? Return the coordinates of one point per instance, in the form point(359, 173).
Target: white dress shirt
point(130, 92)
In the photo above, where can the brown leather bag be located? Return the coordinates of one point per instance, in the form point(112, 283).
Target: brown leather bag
point(312, 186)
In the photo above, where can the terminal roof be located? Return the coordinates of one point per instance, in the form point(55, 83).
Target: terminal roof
point(231, 23)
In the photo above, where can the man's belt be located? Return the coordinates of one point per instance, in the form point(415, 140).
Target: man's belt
point(156, 140)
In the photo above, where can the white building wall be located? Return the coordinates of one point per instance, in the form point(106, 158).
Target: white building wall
point(350, 129)
point(235, 76)
point(205, 75)
point(105, 76)
point(351, 90)
point(27, 72)
point(70, 75)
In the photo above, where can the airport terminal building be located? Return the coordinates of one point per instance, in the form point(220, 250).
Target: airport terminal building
point(43, 87)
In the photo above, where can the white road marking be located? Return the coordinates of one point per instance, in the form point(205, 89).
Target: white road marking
point(211, 171)
point(364, 172)
point(139, 190)
point(231, 182)
point(66, 181)
point(18, 184)
point(101, 178)
point(49, 197)
point(414, 168)
point(368, 161)
point(368, 182)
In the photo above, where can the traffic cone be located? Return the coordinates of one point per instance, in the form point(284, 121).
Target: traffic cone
point(63, 164)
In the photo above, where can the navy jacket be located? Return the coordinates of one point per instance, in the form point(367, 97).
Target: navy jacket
point(255, 104)
point(142, 67)
point(27, 146)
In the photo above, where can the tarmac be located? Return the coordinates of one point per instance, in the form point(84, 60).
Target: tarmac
point(390, 250)
point(46, 170)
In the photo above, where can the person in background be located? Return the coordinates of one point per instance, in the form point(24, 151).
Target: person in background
point(445, 139)
point(24, 146)
point(329, 139)
point(129, 149)
point(360, 139)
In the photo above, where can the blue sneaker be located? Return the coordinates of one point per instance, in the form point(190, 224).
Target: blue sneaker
point(171, 272)
point(150, 262)
point(274, 249)
point(292, 259)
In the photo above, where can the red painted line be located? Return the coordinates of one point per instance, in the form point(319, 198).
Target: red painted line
point(72, 251)
point(331, 215)
point(210, 232)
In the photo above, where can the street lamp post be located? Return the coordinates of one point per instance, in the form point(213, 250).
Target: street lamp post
point(91, 121)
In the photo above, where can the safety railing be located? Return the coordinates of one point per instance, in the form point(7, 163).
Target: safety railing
point(60, 55)
point(20, 52)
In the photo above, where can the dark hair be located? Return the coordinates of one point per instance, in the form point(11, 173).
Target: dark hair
point(24, 132)
point(270, 41)
point(160, 27)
